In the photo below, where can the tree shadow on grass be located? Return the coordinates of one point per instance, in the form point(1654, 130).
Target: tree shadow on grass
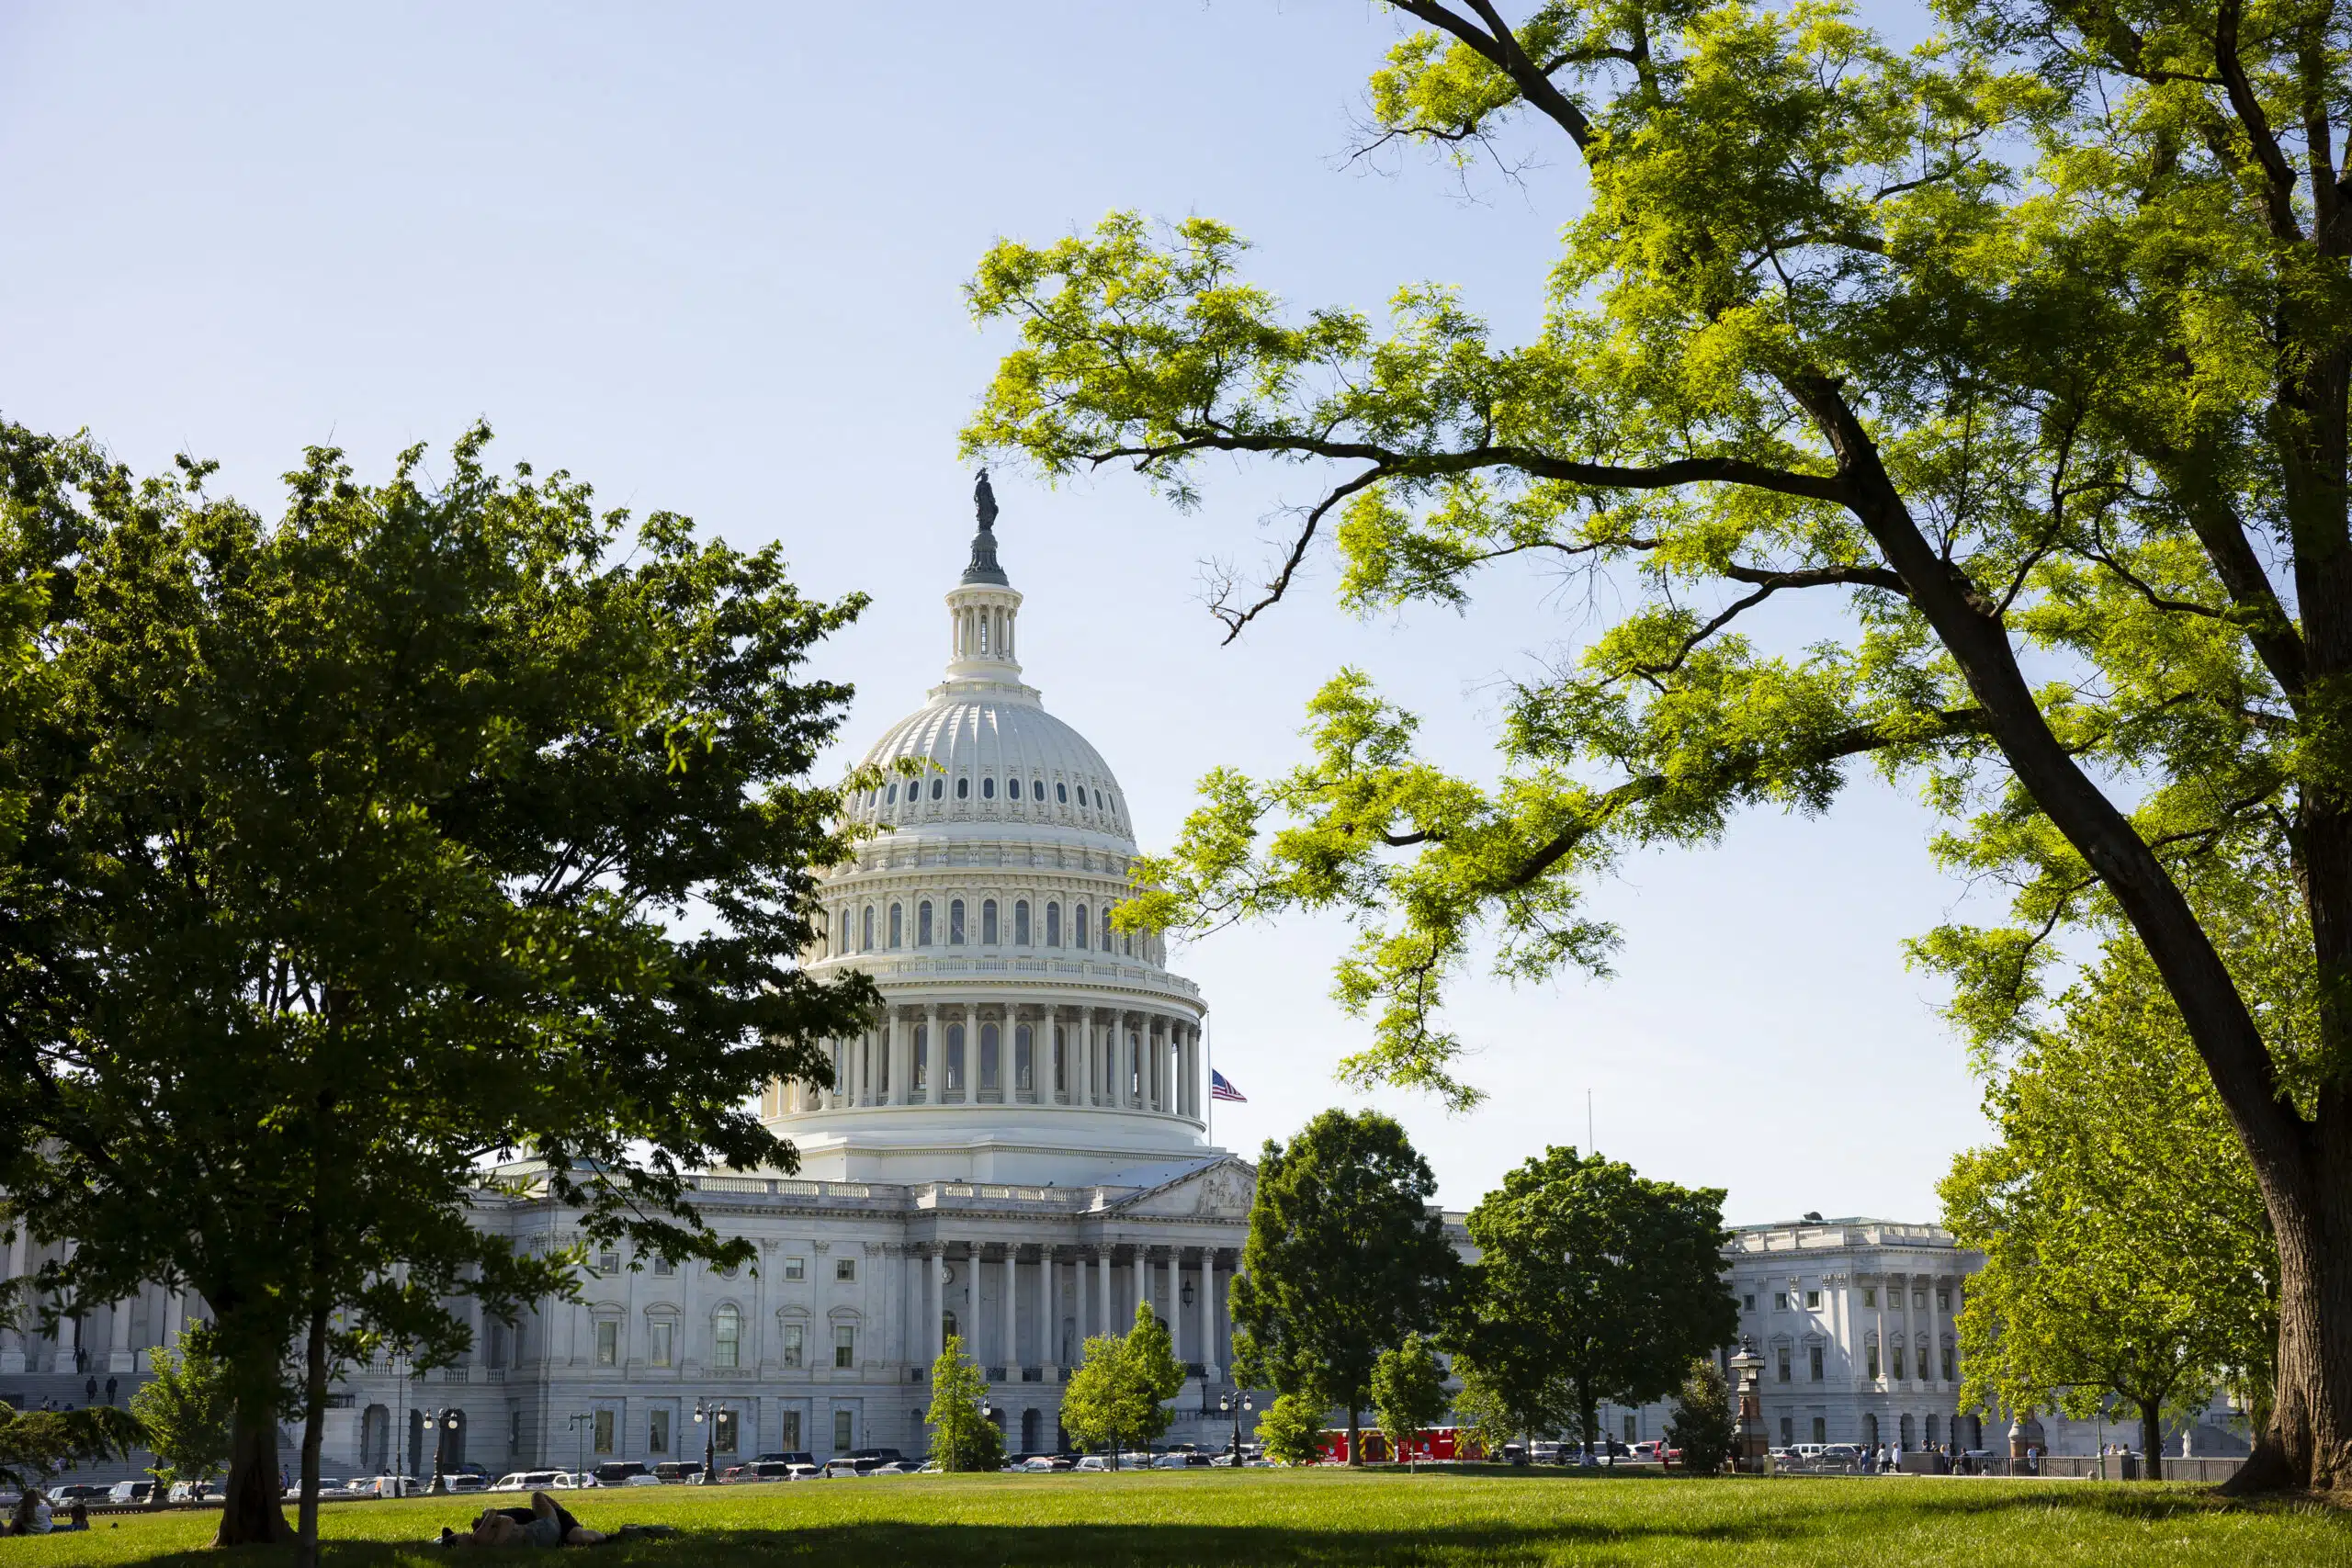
point(1845, 1522)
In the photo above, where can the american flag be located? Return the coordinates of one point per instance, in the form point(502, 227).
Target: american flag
point(1221, 1087)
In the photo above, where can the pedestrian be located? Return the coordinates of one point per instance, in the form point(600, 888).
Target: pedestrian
point(79, 1519)
point(111, 1385)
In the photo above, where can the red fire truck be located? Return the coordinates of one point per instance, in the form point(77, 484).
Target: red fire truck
point(1432, 1445)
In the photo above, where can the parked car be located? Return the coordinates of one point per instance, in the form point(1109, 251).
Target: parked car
point(646, 1480)
point(465, 1481)
point(74, 1492)
point(894, 1467)
point(758, 1469)
point(1092, 1463)
point(526, 1480)
point(788, 1456)
point(612, 1473)
point(123, 1492)
point(679, 1471)
point(869, 1458)
point(1045, 1464)
point(192, 1491)
point(844, 1466)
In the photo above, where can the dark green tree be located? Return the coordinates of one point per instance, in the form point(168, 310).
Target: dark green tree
point(417, 829)
point(1703, 1419)
point(1290, 1431)
point(2018, 366)
point(962, 1435)
point(36, 1444)
point(1344, 1257)
point(184, 1409)
point(1593, 1279)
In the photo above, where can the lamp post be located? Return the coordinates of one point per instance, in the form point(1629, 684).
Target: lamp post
point(580, 1423)
point(706, 1412)
point(1750, 1444)
point(445, 1420)
point(1225, 1407)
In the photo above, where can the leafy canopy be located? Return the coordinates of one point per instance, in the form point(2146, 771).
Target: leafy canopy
point(1408, 1392)
point(962, 1437)
point(1115, 1397)
point(1703, 1421)
point(184, 1409)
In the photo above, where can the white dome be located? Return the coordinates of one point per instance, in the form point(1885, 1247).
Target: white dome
point(991, 754)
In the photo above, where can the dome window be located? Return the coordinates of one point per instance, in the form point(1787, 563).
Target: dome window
point(1098, 800)
point(955, 922)
point(1023, 1049)
point(987, 787)
point(923, 923)
point(1080, 927)
point(938, 787)
point(1012, 788)
point(890, 796)
point(962, 789)
point(897, 926)
point(1061, 793)
point(1053, 925)
point(1021, 923)
point(988, 922)
point(867, 945)
point(1037, 789)
point(989, 1052)
point(844, 947)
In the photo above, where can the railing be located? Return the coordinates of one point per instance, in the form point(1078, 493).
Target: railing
point(995, 1374)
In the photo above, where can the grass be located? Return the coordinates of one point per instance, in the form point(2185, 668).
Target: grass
point(1317, 1518)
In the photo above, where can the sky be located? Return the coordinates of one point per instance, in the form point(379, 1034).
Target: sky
point(709, 258)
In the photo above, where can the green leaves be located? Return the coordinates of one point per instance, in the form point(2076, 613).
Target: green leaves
point(962, 1437)
point(1115, 1397)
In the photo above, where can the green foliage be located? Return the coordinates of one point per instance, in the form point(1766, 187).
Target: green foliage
point(1344, 1257)
point(1593, 1284)
point(1408, 1392)
point(2128, 1254)
point(360, 843)
point(1115, 1397)
point(2016, 364)
point(962, 1437)
point(184, 1409)
point(36, 1444)
point(1484, 1411)
point(1289, 1427)
point(1705, 1417)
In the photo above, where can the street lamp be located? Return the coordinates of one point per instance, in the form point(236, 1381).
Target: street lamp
point(707, 1417)
point(445, 1420)
point(1225, 1407)
point(580, 1423)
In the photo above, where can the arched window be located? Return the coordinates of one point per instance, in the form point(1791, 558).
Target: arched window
point(955, 1057)
point(1021, 923)
point(922, 1056)
point(1098, 800)
point(726, 1337)
point(987, 787)
point(1108, 910)
point(845, 947)
point(1061, 794)
point(1053, 925)
point(1037, 789)
point(1012, 788)
point(890, 796)
point(989, 1047)
point(897, 926)
point(988, 922)
point(1127, 944)
point(1061, 1059)
point(962, 789)
point(1022, 1049)
point(867, 945)
point(938, 788)
point(923, 923)
point(955, 922)
point(1080, 928)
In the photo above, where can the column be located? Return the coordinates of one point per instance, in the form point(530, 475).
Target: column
point(911, 1341)
point(1883, 1370)
point(1910, 1332)
point(1103, 1289)
point(1208, 1313)
point(1050, 1312)
point(931, 1050)
point(13, 1356)
point(1176, 1305)
point(174, 1321)
point(1050, 1090)
point(119, 1346)
point(1011, 1322)
point(935, 1332)
point(898, 1075)
point(971, 1059)
point(1143, 1275)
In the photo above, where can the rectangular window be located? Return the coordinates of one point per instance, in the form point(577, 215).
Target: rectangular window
point(1920, 1300)
point(791, 1434)
point(608, 1342)
point(1813, 1300)
point(845, 1268)
point(1053, 925)
point(844, 1431)
point(1783, 1353)
point(1948, 1366)
point(1923, 1363)
point(601, 1437)
point(845, 1345)
point(663, 1269)
point(1820, 1429)
point(1943, 1300)
point(1872, 1358)
point(794, 1338)
point(1869, 1295)
point(1779, 1301)
point(1629, 1428)
point(723, 1429)
point(1748, 1303)
point(955, 922)
point(1814, 1355)
point(657, 1433)
point(1788, 1430)
point(726, 1338)
point(796, 1269)
point(608, 1262)
point(660, 1333)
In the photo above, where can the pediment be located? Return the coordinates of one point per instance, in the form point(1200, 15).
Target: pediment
point(1223, 1189)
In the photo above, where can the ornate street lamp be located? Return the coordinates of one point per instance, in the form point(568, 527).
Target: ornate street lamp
point(580, 1423)
point(444, 1420)
point(1225, 1407)
point(1750, 1444)
point(706, 1417)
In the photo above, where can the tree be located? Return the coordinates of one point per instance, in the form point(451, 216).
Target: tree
point(1408, 1392)
point(1701, 1423)
point(1593, 1278)
point(2021, 360)
point(355, 854)
point(184, 1409)
point(1344, 1257)
point(1497, 1403)
point(1117, 1395)
point(36, 1444)
point(1290, 1431)
point(962, 1435)
point(2127, 1252)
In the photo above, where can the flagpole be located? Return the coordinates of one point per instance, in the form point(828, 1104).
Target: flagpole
point(1208, 1039)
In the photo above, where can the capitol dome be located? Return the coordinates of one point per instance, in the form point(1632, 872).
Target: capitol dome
point(1022, 1037)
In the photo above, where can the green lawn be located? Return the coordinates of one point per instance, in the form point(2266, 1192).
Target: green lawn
point(1329, 1517)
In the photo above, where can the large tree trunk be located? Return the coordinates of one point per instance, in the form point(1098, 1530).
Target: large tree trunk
point(1355, 1437)
point(2152, 1437)
point(314, 1412)
point(2309, 1442)
point(250, 1514)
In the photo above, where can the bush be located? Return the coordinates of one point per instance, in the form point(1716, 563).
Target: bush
point(1289, 1428)
point(1701, 1426)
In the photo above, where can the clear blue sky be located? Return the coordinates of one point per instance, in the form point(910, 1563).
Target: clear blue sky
point(708, 257)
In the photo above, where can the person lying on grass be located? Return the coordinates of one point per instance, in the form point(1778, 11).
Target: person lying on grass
point(545, 1523)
